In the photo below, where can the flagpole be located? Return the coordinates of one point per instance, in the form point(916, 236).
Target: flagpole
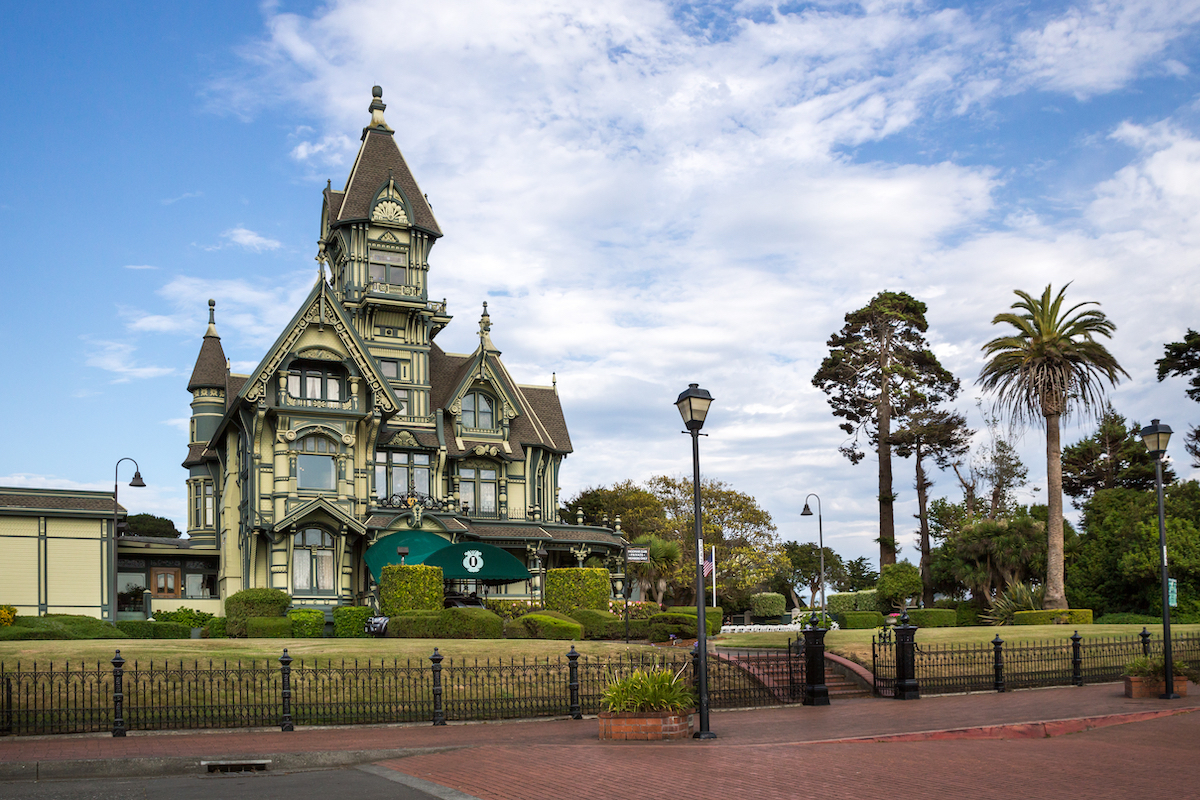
point(714, 574)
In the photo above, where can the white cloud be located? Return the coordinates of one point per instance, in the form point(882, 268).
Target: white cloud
point(140, 266)
point(184, 196)
point(119, 358)
point(248, 239)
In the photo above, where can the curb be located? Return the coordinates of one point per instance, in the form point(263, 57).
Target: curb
point(152, 767)
point(1016, 730)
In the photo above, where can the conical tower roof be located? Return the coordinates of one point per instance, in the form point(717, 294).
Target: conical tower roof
point(211, 371)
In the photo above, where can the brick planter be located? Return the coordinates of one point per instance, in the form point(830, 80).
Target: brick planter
point(1153, 687)
point(647, 725)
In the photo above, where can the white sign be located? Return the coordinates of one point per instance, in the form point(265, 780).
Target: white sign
point(639, 554)
point(473, 561)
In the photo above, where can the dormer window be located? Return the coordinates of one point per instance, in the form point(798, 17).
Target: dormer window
point(477, 411)
point(315, 382)
point(388, 267)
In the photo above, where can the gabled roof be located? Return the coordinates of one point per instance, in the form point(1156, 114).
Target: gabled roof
point(319, 504)
point(379, 160)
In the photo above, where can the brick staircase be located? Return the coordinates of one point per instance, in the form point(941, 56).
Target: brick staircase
point(772, 670)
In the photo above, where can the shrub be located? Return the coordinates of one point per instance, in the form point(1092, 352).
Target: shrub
point(136, 628)
point(414, 624)
point(966, 612)
point(804, 617)
point(648, 690)
point(59, 626)
point(7, 615)
point(215, 629)
point(933, 617)
point(413, 587)
point(569, 589)
point(666, 624)
point(539, 625)
point(594, 621)
point(898, 583)
point(860, 620)
point(1016, 597)
point(1126, 618)
point(307, 623)
point(641, 609)
point(170, 630)
point(350, 622)
point(638, 629)
point(268, 627)
point(470, 623)
point(841, 603)
point(186, 616)
point(713, 616)
point(241, 606)
point(508, 609)
point(1156, 667)
point(767, 604)
point(1068, 616)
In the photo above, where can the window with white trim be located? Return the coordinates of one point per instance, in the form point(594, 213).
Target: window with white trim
point(477, 411)
point(399, 472)
point(387, 266)
point(315, 465)
point(478, 489)
point(312, 561)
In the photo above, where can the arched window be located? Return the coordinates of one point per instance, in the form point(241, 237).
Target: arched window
point(312, 561)
point(477, 411)
point(314, 466)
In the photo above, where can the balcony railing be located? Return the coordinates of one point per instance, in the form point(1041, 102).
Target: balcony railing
point(349, 404)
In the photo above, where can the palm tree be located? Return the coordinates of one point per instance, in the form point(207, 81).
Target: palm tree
point(1051, 365)
point(655, 575)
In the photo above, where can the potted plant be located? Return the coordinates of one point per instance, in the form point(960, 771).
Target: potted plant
point(647, 704)
point(1146, 677)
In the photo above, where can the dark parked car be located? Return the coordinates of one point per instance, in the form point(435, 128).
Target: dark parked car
point(462, 601)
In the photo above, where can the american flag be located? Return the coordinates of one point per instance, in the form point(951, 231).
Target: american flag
point(708, 566)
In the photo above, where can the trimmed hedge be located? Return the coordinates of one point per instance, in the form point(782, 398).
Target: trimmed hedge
point(595, 622)
point(574, 587)
point(409, 587)
point(540, 625)
point(241, 606)
point(713, 615)
point(663, 625)
point(860, 620)
point(215, 629)
point(638, 629)
point(449, 623)
point(1070, 616)
point(508, 609)
point(641, 609)
point(842, 602)
point(767, 604)
point(269, 627)
point(966, 612)
point(350, 622)
point(933, 617)
point(421, 623)
point(145, 629)
point(187, 616)
point(307, 623)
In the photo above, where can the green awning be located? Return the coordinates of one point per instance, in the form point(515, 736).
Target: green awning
point(475, 561)
point(420, 544)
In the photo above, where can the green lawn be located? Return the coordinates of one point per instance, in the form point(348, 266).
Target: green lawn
point(856, 644)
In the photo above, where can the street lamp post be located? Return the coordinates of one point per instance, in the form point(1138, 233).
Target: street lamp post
point(1155, 437)
point(137, 481)
point(693, 406)
point(807, 512)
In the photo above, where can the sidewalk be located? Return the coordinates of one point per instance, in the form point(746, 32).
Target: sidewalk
point(565, 755)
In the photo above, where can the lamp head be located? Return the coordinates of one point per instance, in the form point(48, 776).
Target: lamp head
point(137, 479)
point(693, 406)
point(807, 512)
point(1155, 436)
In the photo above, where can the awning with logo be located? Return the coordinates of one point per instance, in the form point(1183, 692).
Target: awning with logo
point(420, 544)
point(476, 561)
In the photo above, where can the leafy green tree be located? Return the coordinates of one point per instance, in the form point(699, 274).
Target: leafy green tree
point(150, 525)
point(804, 560)
point(898, 584)
point(656, 575)
point(879, 366)
point(1050, 365)
point(640, 512)
point(1112, 456)
point(987, 555)
point(1180, 359)
point(857, 576)
point(940, 435)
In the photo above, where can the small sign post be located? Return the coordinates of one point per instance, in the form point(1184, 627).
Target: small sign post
point(639, 555)
point(1172, 592)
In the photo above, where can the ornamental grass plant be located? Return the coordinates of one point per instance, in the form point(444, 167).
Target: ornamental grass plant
point(645, 690)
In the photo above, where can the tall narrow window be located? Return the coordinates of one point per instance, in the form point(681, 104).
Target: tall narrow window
point(399, 472)
point(477, 411)
point(478, 490)
point(312, 561)
point(315, 464)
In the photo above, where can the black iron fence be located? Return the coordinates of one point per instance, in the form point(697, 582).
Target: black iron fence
point(1002, 666)
point(131, 695)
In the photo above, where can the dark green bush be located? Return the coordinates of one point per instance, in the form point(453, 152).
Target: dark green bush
point(269, 628)
point(307, 623)
point(966, 612)
point(539, 625)
point(767, 604)
point(172, 630)
point(933, 617)
point(470, 623)
point(59, 626)
point(594, 621)
point(419, 623)
point(840, 603)
point(1126, 618)
point(641, 609)
point(350, 622)
point(241, 606)
point(508, 609)
point(215, 629)
point(136, 628)
point(712, 614)
point(898, 583)
point(663, 625)
point(572, 588)
point(1071, 616)
point(410, 588)
point(860, 620)
point(187, 616)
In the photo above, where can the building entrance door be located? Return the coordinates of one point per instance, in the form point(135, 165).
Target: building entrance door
point(164, 582)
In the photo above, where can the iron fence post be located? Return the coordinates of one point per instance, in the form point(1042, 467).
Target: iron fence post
point(285, 670)
point(573, 672)
point(118, 663)
point(816, 693)
point(791, 653)
point(1076, 660)
point(907, 687)
point(6, 725)
point(998, 649)
point(439, 714)
point(1145, 637)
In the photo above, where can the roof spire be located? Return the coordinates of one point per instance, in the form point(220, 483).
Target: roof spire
point(376, 108)
point(212, 320)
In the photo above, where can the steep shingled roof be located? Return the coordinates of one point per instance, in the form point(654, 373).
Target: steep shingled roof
point(210, 371)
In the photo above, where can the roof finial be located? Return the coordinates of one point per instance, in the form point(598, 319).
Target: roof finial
point(554, 381)
point(212, 319)
point(376, 108)
point(485, 322)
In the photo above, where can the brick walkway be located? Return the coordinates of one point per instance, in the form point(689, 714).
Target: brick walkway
point(774, 753)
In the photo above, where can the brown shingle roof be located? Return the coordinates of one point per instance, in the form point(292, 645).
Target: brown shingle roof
point(210, 372)
point(236, 382)
point(445, 371)
point(57, 500)
point(379, 158)
point(198, 455)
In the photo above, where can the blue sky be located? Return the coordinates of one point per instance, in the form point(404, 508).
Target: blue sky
point(647, 194)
